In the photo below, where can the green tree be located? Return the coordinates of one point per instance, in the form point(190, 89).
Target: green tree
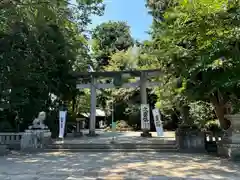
point(135, 58)
point(157, 8)
point(108, 38)
point(40, 43)
point(202, 113)
point(199, 44)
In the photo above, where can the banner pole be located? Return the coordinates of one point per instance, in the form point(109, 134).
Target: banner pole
point(113, 124)
point(113, 121)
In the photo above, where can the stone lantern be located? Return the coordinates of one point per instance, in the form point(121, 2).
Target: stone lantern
point(230, 144)
point(78, 132)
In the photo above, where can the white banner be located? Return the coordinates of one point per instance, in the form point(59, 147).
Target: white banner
point(158, 121)
point(145, 116)
point(62, 122)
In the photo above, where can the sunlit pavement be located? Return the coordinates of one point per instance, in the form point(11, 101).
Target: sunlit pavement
point(120, 137)
point(101, 132)
point(115, 166)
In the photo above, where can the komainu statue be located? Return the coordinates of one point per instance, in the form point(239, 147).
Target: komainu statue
point(38, 123)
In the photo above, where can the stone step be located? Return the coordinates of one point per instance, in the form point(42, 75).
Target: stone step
point(117, 141)
point(112, 146)
point(112, 150)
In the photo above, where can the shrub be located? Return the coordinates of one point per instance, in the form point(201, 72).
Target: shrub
point(201, 113)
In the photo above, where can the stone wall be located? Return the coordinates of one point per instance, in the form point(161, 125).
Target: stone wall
point(35, 140)
point(11, 140)
point(190, 141)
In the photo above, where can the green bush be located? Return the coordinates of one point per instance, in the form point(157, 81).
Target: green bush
point(121, 125)
point(213, 126)
point(188, 127)
point(201, 113)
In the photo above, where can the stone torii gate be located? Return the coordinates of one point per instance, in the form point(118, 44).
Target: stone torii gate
point(117, 77)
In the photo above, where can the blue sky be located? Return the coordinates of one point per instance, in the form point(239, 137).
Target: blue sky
point(133, 12)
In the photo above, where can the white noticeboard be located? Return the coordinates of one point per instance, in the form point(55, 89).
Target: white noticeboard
point(158, 122)
point(145, 116)
point(62, 122)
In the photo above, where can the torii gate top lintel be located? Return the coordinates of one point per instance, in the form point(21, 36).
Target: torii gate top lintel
point(116, 75)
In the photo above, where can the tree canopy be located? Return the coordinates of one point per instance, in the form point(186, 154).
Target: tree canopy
point(198, 43)
point(40, 43)
point(108, 38)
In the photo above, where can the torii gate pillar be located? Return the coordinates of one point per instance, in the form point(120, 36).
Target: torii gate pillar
point(92, 122)
point(143, 94)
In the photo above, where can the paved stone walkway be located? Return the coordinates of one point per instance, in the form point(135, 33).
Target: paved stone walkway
point(120, 137)
point(102, 133)
point(115, 166)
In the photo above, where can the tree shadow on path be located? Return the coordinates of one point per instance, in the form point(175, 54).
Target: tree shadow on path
point(119, 165)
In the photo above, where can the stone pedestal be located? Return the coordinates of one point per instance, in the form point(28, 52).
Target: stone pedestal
point(35, 139)
point(92, 133)
point(146, 133)
point(230, 145)
point(190, 141)
point(78, 132)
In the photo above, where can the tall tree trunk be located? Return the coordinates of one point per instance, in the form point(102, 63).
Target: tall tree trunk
point(185, 115)
point(219, 108)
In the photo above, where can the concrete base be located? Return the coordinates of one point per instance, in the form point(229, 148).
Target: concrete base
point(92, 134)
point(113, 141)
point(231, 151)
point(34, 140)
point(190, 141)
point(77, 134)
point(146, 133)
